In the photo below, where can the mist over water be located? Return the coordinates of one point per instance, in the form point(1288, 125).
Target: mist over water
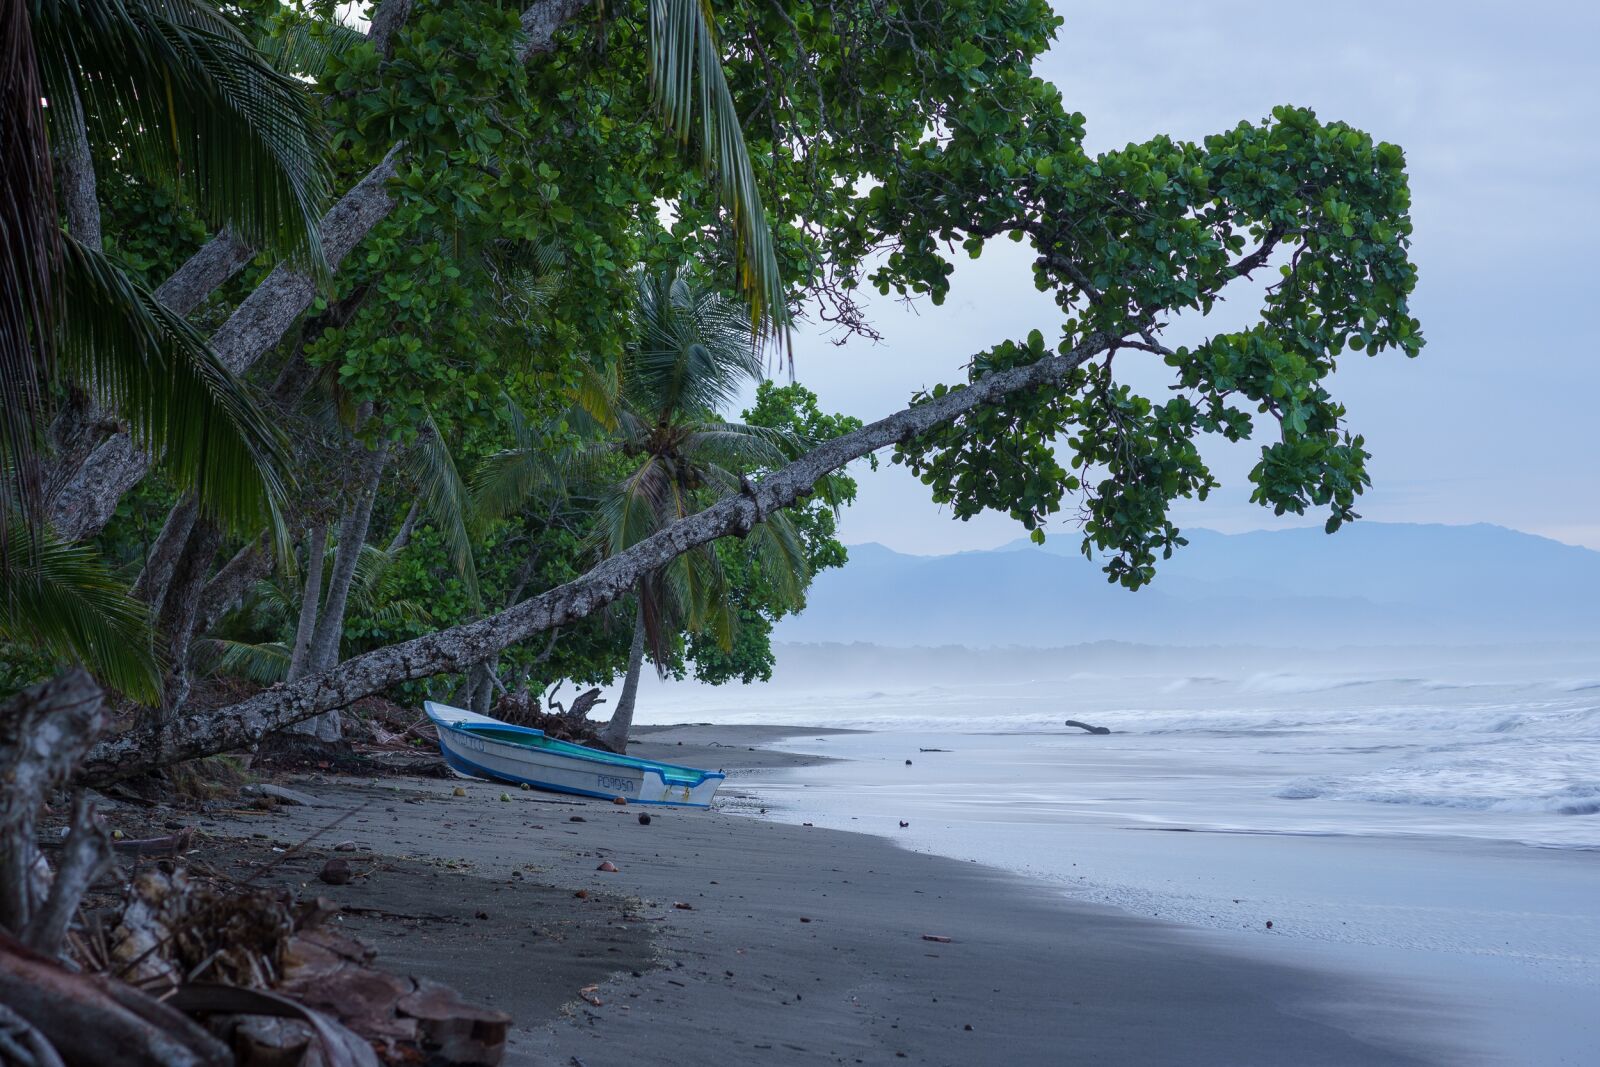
point(1499, 743)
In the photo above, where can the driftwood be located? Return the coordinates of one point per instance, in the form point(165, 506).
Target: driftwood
point(582, 704)
point(562, 723)
point(1085, 726)
point(89, 1019)
point(45, 731)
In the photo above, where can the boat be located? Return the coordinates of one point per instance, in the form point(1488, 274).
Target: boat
point(477, 746)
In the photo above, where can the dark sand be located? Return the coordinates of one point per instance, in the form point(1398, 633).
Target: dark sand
point(800, 945)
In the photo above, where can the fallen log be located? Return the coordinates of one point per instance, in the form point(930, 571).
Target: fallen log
point(1087, 727)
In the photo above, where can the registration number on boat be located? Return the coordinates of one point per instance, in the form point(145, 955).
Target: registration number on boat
point(617, 785)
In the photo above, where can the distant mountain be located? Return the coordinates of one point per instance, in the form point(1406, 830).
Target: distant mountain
point(1369, 584)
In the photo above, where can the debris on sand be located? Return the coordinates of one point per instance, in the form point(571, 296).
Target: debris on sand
point(335, 872)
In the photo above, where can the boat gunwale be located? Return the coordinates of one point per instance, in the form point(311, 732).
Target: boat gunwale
point(567, 748)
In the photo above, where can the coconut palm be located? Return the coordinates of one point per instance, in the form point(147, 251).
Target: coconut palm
point(654, 418)
point(171, 90)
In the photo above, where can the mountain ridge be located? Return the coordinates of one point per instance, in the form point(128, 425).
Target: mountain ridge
point(1370, 583)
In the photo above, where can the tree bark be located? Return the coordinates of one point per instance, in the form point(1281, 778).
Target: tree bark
point(615, 734)
point(324, 653)
point(402, 536)
point(249, 565)
point(153, 580)
point(83, 860)
point(204, 273)
point(352, 536)
point(45, 731)
point(310, 601)
point(89, 495)
point(79, 200)
point(175, 626)
point(457, 648)
point(386, 22)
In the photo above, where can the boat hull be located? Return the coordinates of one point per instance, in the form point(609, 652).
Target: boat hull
point(556, 767)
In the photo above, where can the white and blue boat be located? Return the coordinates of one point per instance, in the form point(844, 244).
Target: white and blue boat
point(477, 746)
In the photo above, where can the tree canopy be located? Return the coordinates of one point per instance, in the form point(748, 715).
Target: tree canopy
point(502, 179)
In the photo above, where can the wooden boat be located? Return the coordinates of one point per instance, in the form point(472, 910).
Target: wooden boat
point(476, 746)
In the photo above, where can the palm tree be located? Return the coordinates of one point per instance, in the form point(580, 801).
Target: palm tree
point(170, 89)
point(655, 414)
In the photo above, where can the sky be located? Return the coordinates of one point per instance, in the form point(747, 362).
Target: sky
point(1497, 106)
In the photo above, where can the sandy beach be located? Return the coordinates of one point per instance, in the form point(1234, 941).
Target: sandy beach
point(731, 939)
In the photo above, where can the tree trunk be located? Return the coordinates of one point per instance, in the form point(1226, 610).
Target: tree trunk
point(387, 19)
point(402, 536)
point(249, 565)
point(324, 653)
point(154, 579)
point(45, 731)
point(88, 496)
point(180, 608)
point(481, 685)
point(456, 648)
point(615, 734)
point(203, 273)
point(310, 601)
point(78, 197)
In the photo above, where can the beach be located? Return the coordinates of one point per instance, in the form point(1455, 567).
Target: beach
point(727, 938)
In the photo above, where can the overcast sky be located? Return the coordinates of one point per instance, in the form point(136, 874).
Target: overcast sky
point(1498, 108)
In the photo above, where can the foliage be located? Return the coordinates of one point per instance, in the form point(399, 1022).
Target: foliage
point(1173, 225)
point(560, 299)
point(60, 604)
point(758, 600)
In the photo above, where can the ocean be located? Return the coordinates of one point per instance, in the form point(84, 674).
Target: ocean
point(1443, 826)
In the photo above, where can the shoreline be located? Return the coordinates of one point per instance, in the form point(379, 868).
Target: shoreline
point(800, 944)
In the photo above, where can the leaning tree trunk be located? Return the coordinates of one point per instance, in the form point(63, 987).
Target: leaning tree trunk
point(330, 627)
point(310, 601)
point(615, 733)
point(481, 685)
point(175, 625)
point(154, 579)
point(455, 649)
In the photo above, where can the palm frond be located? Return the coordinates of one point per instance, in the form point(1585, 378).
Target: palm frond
point(190, 101)
point(692, 353)
point(301, 44)
point(446, 501)
point(734, 444)
point(64, 600)
point(180, 401)
point(30, 250)
point(700, 593)
point(778, 548)
point(687, 81)
point(637, 506)
point(264, 663)
point(597, 397)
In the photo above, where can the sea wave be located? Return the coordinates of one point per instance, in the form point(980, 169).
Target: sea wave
point(1510, 787)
